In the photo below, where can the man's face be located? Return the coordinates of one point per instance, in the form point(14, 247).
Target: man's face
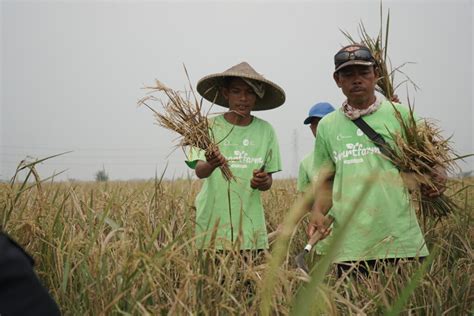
point(357, 83)
point(314, 125)
point(240, 96)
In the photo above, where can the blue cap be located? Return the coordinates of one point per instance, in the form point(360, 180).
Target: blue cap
point(318, 110)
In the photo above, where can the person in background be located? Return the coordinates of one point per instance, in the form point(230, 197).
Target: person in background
point(305, 171)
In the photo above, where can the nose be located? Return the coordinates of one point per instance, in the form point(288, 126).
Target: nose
point(357, 78)
point(243, 96)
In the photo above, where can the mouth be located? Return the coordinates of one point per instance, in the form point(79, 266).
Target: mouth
point(242, 107)
point(357, 89)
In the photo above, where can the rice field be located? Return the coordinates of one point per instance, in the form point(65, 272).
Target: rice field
point(127, 248)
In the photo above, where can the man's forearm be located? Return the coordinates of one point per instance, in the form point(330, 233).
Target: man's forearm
point(323, 201)
point(204, 169)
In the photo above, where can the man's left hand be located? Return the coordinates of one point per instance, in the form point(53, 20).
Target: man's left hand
point(261, 180)
point(439, 179)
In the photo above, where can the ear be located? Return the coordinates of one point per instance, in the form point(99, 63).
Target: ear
point(336, 78)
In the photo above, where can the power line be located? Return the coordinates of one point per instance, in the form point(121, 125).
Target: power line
point(80, 148)
point(100, 163)
point(75, 156)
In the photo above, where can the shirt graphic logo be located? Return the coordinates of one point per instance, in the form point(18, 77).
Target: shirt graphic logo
point(354, 153)
point(341, 137)
point(241, 159)
point(226, 142)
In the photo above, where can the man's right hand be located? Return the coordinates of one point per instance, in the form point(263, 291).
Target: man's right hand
point(215, 159)
point(318, 223)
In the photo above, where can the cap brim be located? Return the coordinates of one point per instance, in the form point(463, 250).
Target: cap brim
point(310, 118)
point(354, 62)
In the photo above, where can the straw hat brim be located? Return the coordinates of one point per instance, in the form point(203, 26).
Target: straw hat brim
point(210, 87)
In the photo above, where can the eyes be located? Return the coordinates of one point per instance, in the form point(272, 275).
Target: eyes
point(237, 91)
point(365, 72)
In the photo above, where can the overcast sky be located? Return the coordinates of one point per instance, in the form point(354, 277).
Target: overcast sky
point(72, 72)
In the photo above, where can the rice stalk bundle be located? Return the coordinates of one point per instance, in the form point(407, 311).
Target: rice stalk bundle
point(185, 117)
point(420, 150)
point(378, 47)
point(421, 153)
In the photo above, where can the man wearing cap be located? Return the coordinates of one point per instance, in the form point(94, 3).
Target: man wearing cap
point(249, 146)
point(305, 171)
point(353, 172)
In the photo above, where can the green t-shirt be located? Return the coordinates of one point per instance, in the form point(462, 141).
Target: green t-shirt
point(305, 172)
point(245, 147)
point(384, 225)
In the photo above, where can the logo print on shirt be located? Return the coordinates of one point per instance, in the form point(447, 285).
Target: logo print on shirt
point(226, 142)
point(241, 159)
point(341, 137)
point(246, 142)
point(354, 153)
point(359, 132)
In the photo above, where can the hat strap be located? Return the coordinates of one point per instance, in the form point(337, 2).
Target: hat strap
point(257, 87)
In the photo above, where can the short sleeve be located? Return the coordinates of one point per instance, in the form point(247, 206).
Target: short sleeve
point(303, 180)
point(195, 154)
point(274, 162)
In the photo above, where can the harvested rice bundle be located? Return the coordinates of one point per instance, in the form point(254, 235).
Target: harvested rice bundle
point(185, 117)
point(424, 156)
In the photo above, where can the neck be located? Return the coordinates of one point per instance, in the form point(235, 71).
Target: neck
point(361, 104)
point(238, 119)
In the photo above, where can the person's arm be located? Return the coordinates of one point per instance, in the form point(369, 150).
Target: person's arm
point(205, 168)
point(322, 203)
point(261, 180)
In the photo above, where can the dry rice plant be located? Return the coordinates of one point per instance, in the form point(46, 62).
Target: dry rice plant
point(420, 152)
point(128, 248)
point(117, 248)
point(185, 117)
point(379, 47)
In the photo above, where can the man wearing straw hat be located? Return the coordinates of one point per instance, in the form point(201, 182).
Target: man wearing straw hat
point(355, 180)
point(230, 211)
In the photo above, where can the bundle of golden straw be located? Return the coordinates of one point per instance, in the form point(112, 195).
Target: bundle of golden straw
point(186, 118)
point(420, 152)
point(378, 47)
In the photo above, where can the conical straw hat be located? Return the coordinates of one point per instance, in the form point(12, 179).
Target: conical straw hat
point(210, 86)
